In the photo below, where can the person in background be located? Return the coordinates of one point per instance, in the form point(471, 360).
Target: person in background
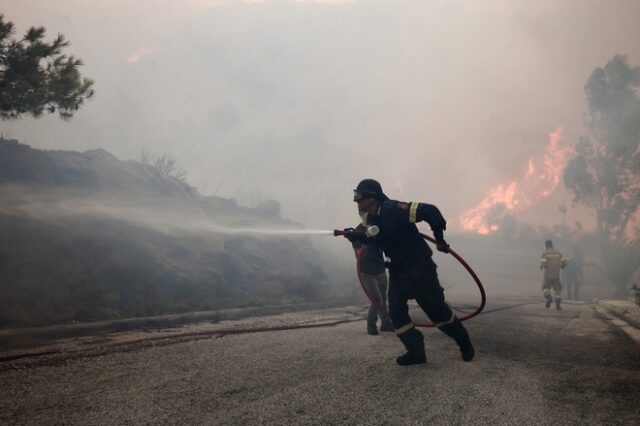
point(573, 274)
point(374, 277)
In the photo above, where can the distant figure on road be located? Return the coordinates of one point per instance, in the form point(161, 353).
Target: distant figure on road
point(573, 274)
point(551, 262)
point(374, 277)
point(412, 272)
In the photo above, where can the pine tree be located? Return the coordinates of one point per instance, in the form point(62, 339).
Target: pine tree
point(35, 77)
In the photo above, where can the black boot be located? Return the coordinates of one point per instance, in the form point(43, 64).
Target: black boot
point(548, 302)
point(458, 333)
point(414, 342)
point(372, 330)
point(558, 304)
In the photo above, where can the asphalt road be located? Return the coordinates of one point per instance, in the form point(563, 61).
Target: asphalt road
point(533, 366)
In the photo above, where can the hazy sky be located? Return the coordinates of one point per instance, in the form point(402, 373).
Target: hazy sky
point(298, 100)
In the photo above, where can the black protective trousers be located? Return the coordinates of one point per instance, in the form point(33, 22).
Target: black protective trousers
point(425, 288)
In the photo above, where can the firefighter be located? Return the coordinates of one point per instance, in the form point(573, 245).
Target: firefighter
point(551, 262)
point(374, 277)
point(412, 272)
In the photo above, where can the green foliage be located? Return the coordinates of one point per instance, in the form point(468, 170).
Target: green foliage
point(35, 76)
point(621, 259)
point(605, 173)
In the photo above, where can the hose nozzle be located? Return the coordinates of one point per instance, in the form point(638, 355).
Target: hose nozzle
point(354, 235)
point(350, 234)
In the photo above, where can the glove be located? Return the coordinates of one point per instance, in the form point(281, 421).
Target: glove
point(353, 236)
point(442, 246)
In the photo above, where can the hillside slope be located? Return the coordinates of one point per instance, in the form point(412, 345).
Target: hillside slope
point(86, 236)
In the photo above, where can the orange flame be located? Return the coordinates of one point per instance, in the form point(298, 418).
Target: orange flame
point(540, 178)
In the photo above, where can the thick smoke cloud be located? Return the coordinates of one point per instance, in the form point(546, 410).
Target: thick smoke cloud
point(299, 100)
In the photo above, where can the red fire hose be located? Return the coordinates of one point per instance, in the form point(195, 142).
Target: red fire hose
point(483, 295)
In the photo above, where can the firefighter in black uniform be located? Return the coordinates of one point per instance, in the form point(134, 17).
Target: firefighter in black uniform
point(412, 272)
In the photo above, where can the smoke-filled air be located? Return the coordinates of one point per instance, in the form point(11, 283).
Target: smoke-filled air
point(370, 200)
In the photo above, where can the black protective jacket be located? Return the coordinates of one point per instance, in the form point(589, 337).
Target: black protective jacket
point(399, 236)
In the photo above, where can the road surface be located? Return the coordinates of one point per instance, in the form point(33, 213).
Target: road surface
point(533, 366)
